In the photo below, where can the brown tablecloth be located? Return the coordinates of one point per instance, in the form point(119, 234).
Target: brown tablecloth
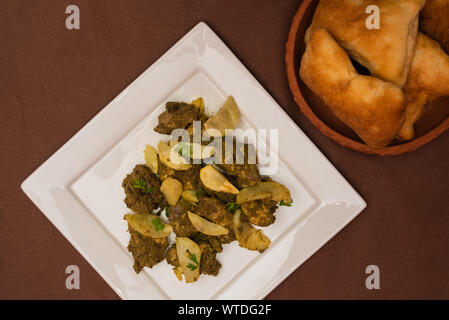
point(54, 80)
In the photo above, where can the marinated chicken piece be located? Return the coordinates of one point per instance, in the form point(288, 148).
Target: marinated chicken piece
point(209, 263)
point(182, 226)
point(189, 178)
point(241, 164)
point(260, 212)
point(214, 242)
point(247, 174)
point(178, 116)
point(146, 251)
point(179, 219)
point(215, 211)
point(227, 238)
point(142, 190)
point(200, 193)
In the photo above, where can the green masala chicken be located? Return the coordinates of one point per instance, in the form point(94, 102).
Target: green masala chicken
point(142, 190)
point(185, 213)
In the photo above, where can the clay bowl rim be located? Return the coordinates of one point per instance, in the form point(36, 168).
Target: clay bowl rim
point(293, 81)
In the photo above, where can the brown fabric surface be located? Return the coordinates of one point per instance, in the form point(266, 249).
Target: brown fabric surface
point(54, 80)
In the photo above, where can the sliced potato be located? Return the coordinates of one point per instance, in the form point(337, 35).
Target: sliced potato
point(216, 181)
point(205, 226)
point(151, 159)
point(189, 255)
point(190, 196)
point(199, 103)
point(265, 190)
point(172, 190)
point(226, 118)
point(148, 225)
point(171, 158)
point(248, 236)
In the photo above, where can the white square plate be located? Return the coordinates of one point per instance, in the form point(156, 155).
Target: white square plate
point(79, 187)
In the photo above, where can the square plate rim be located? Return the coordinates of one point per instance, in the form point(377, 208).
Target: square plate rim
point(28, 182)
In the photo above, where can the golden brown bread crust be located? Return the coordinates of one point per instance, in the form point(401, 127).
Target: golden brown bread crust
point(374, 109)
point(387, 52)
point(428, 79)
point(434, 21)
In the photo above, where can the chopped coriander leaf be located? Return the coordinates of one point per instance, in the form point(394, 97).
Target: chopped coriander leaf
point(232, 206)
point(158, 224)
point(142, 184)
point(166, 212)
point(191, 267)
point(193, 258)
point(179, 151)
point(139, 183)
point(285, 204)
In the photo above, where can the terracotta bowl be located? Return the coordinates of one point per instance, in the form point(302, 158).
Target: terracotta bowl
point(433, 123)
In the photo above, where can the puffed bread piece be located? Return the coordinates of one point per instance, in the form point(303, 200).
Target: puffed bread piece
point(373, 108)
